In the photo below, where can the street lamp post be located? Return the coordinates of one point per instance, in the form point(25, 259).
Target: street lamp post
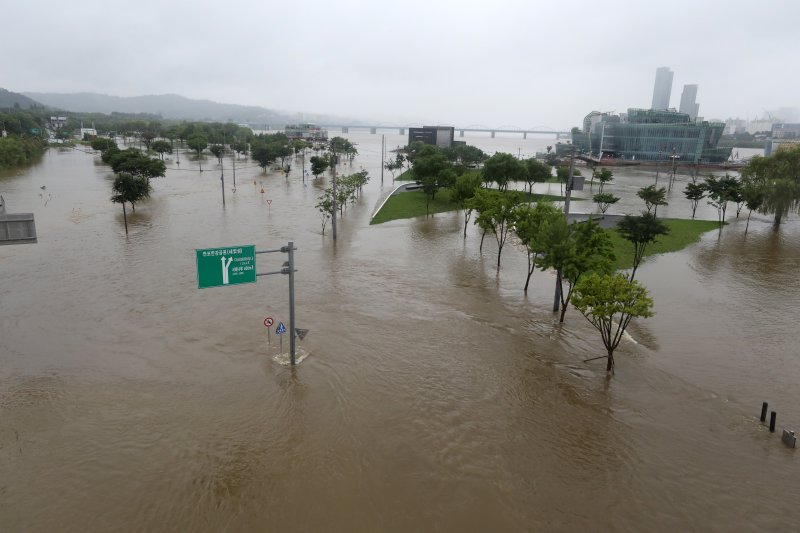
point(658, 166)
point(568, 193)
point(333, 171)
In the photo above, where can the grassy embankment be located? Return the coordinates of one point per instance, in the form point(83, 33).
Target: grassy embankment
point(682, 232)
point(408, 175)
point(413, 204)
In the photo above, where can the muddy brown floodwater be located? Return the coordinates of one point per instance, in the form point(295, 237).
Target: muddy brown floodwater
point(437, 396)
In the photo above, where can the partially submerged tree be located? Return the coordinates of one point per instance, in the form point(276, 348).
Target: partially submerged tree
point(753, 195)
point(604, 200)
point(604, 175)
point(318, 165)
point(433, 171)
point(694, 192)
point(162, 147)
point(778, 177)
point(134, 162)
point(502, 169)
point(536, 172)
point(393, 165)
point(720, 192)
point(573, 250)
point(463, 191)
point(529, 223)
point(325, 207)
point(102, 144)
point(641, 231)
point(609, 303)
point(653, 197)
point(497, 214)
point(198, 143)
point(218, 150)
point(129, 188)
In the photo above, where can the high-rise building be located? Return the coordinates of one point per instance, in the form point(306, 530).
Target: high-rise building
point(662, 88)
point(688, 104)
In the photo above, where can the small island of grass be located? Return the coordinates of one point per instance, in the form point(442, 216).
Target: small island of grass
point(414, 204)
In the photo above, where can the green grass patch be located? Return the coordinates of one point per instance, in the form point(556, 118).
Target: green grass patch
point(406, 175)
point(682, 233)
point(413, 204)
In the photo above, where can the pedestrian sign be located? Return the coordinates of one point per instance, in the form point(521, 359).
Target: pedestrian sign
point(231, 265)
point(281, 329)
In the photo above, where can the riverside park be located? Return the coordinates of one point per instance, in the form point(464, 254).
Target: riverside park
point(433, 393)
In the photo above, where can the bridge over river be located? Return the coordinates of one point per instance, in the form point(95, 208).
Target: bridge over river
point(374, 129)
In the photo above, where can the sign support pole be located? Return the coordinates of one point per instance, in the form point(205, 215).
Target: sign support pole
point(292, 332)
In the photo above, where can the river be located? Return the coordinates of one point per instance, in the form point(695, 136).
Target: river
point(437, 396)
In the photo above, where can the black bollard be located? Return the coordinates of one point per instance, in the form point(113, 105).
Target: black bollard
point(772, 416)
point(764, 411)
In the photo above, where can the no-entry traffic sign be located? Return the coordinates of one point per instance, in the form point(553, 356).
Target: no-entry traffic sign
point(268, 322)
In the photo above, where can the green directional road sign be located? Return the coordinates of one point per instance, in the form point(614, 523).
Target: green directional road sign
point(231, 265)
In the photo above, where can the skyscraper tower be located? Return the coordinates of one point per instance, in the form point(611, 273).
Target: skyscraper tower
point(688, 104)
point(662, 88)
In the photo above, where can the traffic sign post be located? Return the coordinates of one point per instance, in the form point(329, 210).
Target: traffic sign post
point(232, 265)
point(280, 330)
point(268, 324)
point(286, 268)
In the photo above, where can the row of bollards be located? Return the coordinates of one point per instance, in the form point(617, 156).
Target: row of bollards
point(788, 437)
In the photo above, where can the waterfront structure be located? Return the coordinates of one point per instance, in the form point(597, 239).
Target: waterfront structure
point(441, 136)
point(306, 132)
point(783, 136)
point(662, 89)
point(689, 104)
point(650, 135)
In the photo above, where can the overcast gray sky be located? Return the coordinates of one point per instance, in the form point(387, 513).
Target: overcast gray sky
point(495, 63)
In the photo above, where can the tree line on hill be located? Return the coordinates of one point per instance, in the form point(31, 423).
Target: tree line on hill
point(23, 137)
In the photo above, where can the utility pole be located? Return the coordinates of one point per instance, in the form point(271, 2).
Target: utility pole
point(557, 297)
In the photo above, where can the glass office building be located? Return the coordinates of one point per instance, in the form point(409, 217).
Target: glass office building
point(651, 135)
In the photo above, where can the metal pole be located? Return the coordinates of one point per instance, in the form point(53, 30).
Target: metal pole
point(557, 297)
point(333, 169)
point(291, 304)
point(222, 183)
point(658, 166)
point(383, 154)
point(222, 169)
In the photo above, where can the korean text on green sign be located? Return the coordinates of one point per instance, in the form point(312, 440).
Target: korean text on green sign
point(231, 265)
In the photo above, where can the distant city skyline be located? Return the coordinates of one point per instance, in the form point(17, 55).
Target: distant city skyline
point(506, 63)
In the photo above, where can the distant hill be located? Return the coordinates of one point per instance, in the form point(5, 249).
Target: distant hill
point(173, 106)
point(16, 100)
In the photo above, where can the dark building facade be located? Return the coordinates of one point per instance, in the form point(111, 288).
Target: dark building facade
point(441, 136)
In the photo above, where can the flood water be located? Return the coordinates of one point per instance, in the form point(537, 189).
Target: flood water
point(437, 396)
